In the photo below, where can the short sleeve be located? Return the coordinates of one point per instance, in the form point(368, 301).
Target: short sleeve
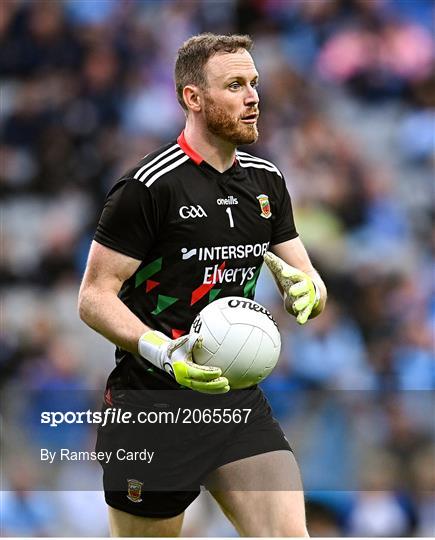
point(129, 219)
point(284, 226)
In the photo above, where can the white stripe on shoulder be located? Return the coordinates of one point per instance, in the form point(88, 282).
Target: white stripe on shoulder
point(147, 165)
point(248, 158)
point(166, 169)
point(257, 165)
point(160, 164)
point(244, 156)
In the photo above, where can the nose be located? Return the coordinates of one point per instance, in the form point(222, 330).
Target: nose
point(252, 96)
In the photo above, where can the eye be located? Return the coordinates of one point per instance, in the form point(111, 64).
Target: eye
point(254, 84)
point(234, 85)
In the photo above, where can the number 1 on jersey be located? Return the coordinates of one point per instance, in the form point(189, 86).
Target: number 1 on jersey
point(230, 217)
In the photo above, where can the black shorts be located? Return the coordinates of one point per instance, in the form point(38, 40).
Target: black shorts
point(155, 467)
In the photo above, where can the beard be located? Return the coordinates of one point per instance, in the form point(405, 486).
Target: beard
point(226, 126)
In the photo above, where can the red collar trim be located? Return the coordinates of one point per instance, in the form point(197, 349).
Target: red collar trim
point(188, 150)
point(191, 152)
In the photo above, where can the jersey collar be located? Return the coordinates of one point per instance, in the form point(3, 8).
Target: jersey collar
point(194, 156)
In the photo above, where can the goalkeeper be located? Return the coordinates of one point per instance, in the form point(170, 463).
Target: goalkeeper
point(193, 221)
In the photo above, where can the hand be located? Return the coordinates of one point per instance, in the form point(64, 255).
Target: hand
point(175, 357)
point(301, 294)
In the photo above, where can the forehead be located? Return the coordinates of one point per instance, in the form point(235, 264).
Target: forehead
point(225, 65)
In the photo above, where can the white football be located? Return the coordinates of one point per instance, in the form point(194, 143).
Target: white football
point(240, 337)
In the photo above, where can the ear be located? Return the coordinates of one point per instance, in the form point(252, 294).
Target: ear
point(192, 98)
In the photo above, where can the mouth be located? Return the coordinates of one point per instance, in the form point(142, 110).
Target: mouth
point(250, 118)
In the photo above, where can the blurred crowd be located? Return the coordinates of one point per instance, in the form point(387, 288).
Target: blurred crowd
point(347, 91)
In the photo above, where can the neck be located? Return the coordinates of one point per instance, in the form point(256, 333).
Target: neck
point(218, 153)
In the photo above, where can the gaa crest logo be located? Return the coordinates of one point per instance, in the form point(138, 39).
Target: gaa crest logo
point(134, 490)
point(263, 201)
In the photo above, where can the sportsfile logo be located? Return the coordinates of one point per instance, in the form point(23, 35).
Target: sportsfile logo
point(192, 211)
point(213, 253)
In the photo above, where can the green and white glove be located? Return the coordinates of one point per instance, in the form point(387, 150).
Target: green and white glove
point(175, 357)
point(301, 294)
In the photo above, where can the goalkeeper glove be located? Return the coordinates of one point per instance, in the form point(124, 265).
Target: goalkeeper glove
point(175, 357)
point(301, 294)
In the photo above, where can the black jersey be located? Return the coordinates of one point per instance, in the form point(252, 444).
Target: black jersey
point(199, 234)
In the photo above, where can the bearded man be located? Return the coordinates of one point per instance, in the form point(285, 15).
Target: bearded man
point(145, 282)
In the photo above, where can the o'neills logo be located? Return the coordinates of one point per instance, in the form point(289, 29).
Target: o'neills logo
point(264, 205)
point(228, 201)
point(235, 302)
point(134, 490)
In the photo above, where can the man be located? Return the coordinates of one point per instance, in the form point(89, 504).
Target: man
point(147, 277)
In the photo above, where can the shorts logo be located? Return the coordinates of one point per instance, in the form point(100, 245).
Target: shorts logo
point(192, 211)
point(134, 490)
point(263, 201)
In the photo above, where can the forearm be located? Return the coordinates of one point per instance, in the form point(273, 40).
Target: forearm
point(105, 313)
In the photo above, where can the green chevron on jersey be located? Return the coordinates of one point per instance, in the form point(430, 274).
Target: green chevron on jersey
point(163, 302)
point(250, 285)
point(212, 294)
point(147, 271)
